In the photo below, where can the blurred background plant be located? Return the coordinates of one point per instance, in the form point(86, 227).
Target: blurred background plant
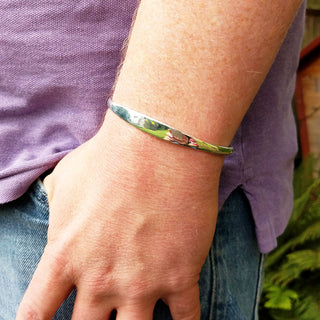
point(313, 4)
point(312, 29)
point(292, 272)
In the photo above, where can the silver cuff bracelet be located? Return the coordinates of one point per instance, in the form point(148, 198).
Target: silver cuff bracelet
point(163, 131)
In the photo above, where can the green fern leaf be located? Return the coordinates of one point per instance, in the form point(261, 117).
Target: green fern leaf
point(280, 298)
point(297, 262)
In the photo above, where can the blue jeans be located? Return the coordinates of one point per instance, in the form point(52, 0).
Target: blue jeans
point(230, 281)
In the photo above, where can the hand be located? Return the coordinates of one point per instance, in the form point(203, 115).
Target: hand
point(131, 221)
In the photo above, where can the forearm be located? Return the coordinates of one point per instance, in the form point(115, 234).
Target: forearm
point(198, 65)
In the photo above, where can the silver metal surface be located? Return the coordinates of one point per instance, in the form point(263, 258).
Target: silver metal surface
point(163, 131)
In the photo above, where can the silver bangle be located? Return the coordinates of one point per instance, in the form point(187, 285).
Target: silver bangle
point(164, 131)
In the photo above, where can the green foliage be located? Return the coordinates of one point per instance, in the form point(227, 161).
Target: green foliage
point(279, 297)
point(292, 274)
point(313, 4)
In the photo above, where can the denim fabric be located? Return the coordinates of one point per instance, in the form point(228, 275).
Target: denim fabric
point(230, 281)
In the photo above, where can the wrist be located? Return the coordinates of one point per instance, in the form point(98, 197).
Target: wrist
point(145, 153)
point(164, 131)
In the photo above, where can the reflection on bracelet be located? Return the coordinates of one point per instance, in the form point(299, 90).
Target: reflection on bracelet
point(164, 131)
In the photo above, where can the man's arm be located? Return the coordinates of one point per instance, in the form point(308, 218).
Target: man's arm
point(132, 217)
point(201, 60)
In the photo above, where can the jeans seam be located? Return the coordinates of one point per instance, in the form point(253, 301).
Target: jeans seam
point(213, 292)
point(38, 189)
point(259, 287)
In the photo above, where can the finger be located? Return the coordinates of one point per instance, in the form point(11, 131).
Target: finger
point(185, 305)
point(48, 288)
point(136, 311)
point(84, 311)
point(86, 307)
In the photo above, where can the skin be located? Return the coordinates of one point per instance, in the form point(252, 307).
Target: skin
point(132, 217)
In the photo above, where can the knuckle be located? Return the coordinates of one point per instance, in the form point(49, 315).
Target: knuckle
point(137, 289)
point(28, 312)
point(58, 261)
point(180, 282)
point(97, 285)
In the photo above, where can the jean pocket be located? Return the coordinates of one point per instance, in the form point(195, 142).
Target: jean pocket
point(38, 204)
point(40, 191)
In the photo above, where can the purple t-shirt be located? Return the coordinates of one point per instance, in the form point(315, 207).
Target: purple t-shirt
point(58, 62)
